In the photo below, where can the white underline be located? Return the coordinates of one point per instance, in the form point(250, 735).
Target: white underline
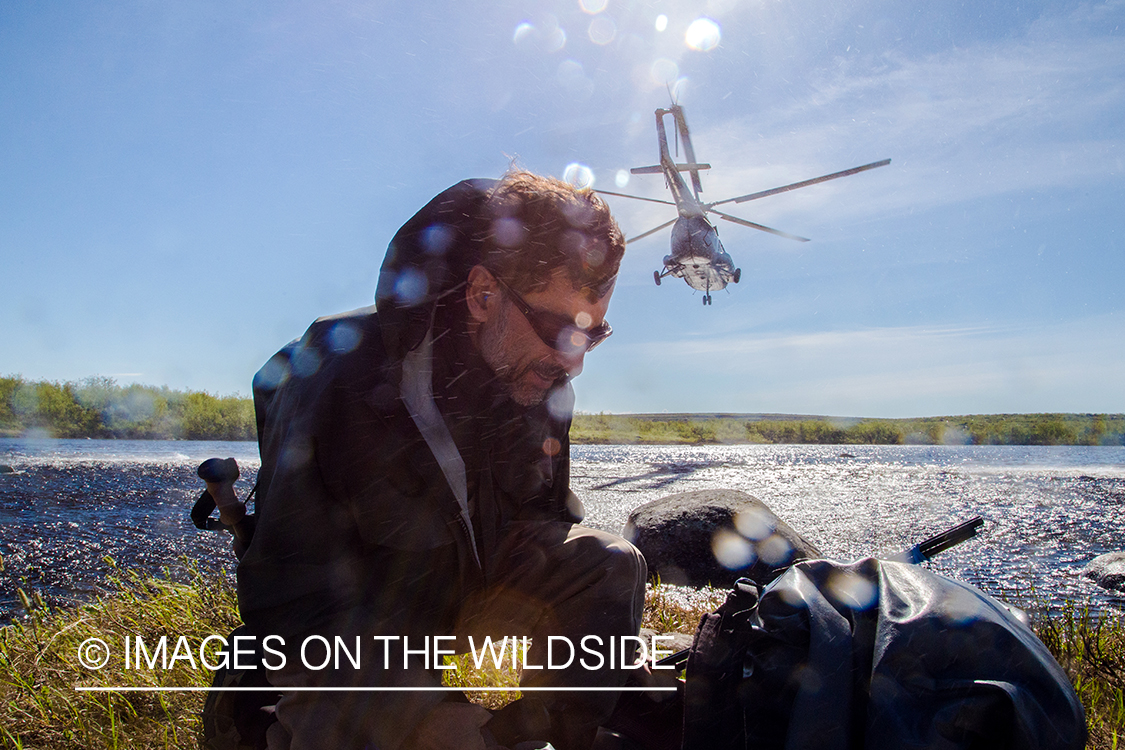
point(155, 689)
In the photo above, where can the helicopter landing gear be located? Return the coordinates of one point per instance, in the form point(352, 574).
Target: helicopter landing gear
point(737, 275)
point(656, 277)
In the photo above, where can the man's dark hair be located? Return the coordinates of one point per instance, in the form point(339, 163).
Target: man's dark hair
point(539, 224)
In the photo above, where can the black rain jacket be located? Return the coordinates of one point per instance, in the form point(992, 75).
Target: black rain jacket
point(358, 528)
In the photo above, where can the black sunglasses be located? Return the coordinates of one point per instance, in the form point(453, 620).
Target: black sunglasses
point(558, 331)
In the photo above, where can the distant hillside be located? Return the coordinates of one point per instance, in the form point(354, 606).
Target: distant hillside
point(977, 429)
point(98, 407)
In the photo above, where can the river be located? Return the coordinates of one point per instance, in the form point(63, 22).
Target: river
point(74, 505)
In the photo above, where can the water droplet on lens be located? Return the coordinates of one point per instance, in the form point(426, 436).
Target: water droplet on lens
point(560, 403)
point(578, 175)
point(703, 35)
point(756, 524)
point(305, 361)
point(437, 238)
point(508, 232)
point(731, 550)
point(524, 32)
point(344, 337)
point(602, 30)
point(272, 374)
point(664, 71)
point(775, 550)
point(852, 590)
point(555, 41)
point(411, 287)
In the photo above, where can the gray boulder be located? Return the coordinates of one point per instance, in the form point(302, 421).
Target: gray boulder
point(1108, 571)
point(716, 537)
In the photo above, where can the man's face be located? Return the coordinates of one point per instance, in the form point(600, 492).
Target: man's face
point(524, 363)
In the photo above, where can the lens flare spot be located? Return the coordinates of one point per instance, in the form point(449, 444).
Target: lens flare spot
point(555, 39)
point(703, 34)
point(602, 30)
point(560, 404)
point(774, 550)
point(960, 608)
point(523, 33)
point(573, 78)
point(679, 87)
point(593, 6)
point(305, 361)
point(344, 337)
point(731, 550)
point(411, 287)
point(583, 320)
point(578, 175)
point(580, 216)
point(810, 680)
point(756, 523)
point(570, 341)
point(551, 447)
point(852, 590)
point(664, 71)
point(594, 254)
point(273, 373)
point(509, 232)
point(437, 238)
point(621, 179)
point(661, 22)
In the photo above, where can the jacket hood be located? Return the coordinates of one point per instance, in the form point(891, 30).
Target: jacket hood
point(429, 259)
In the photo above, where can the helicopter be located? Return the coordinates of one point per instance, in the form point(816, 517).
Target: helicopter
point(697, 255)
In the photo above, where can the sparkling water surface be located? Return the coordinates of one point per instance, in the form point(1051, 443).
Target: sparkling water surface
point(1048, 510)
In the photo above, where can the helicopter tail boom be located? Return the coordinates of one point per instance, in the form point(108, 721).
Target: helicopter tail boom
point(659, 168)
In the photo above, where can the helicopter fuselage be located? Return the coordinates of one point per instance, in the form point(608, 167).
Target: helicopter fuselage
point(698, 256)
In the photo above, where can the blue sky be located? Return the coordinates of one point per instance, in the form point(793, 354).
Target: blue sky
point(185, 186)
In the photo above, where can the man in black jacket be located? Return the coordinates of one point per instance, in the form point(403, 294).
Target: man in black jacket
point(415, 478)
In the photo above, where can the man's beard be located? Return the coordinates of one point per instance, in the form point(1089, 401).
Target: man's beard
point(495, 349)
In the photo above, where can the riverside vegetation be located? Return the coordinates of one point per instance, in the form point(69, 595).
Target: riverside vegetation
point(39, 670)
point(98, 407)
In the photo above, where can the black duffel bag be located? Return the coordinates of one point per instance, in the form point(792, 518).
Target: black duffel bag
point(872, 655)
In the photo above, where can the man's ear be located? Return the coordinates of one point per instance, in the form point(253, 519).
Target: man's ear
point(480, 293)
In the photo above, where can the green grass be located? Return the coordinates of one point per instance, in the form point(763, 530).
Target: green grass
point(39, 669)
point(1092, 651)
point(39, 707)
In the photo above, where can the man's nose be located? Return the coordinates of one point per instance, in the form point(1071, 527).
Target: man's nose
point(571, 362)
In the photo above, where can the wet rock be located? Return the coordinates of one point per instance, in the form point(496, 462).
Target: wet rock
point(716, 537)
point(6, 469)
point(1108, 571)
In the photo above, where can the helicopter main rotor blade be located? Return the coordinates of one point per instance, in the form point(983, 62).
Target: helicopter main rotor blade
point(653, 231)
point(803, 183)
point(752, 225)
point(636, 197)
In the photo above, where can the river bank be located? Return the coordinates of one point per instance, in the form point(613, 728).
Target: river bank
point(97, 407)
